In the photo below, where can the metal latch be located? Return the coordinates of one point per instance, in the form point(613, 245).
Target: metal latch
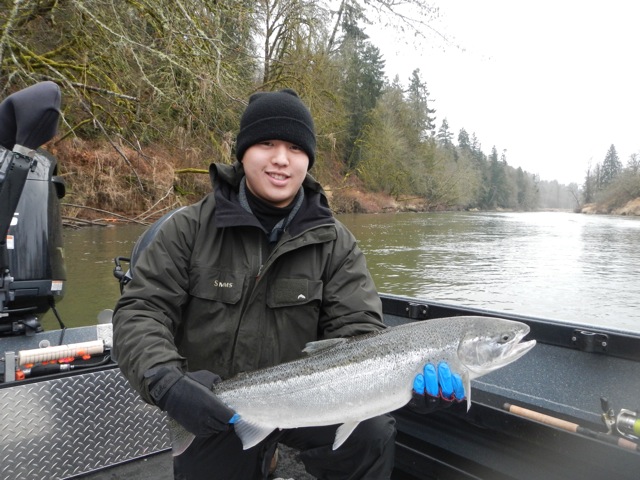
point(9, 361)
point(417, 311)
point(590, 341)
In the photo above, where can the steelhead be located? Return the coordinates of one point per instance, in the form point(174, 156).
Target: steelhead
point(346, 381)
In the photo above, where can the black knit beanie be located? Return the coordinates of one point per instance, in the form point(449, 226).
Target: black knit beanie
point(277, 116)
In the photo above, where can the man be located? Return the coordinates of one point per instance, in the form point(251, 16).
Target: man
point(242, 280)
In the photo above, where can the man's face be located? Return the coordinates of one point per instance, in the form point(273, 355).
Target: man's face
point(275, 170)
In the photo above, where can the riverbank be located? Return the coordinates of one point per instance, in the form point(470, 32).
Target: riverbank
point(105, 184)
point(631, 208)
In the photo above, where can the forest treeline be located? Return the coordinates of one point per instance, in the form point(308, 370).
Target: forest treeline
point(153, 91)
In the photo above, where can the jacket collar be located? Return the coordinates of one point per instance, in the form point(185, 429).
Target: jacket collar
point(226, 179)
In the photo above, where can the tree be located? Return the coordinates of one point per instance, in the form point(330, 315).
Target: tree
point(464, 142)
point(444, 136)
point(526, 190)
point(611, 167)
point(384, 12)
point(175, 74)
point(362, 86)
point(136, 71)
point(418, 99)
point(633, 164)
point(589, 187)
point(386, 146)
point(497, 188)
point(288, 27)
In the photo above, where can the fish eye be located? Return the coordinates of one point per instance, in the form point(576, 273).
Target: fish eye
point(505, 337)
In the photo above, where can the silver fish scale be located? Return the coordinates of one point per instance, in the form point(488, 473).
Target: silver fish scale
point(72, 425)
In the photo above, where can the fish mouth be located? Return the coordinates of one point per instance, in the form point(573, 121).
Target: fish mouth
point(488, 356)
point(519, 349)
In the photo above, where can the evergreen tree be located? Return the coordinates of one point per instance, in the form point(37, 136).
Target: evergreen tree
point(527, 192)
point(363, 82)
point(501, 181)
point(386, 145)
point(418, 99)
point(611, 167)
point(464, 142)
point(478, 155)
point(444, 136)
point(496, 192)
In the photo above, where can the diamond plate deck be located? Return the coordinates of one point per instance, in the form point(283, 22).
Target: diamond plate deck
point(61, 428)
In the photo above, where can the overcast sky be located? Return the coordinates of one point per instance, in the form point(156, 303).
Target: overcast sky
point(554, 83)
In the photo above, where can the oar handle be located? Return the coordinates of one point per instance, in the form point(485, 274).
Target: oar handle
point(541, 417)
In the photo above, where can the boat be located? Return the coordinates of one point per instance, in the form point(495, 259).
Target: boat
point(566, 410)
point(544, 416)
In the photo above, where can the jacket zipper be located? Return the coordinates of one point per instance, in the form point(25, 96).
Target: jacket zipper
point(250, 292)
point(261, 269)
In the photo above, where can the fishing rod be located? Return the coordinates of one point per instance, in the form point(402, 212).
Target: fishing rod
point(572, 427)
point(625, 422)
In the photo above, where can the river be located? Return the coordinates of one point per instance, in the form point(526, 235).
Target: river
point(564, 266)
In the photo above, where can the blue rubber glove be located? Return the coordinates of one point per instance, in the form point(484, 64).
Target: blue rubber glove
point(436, 389)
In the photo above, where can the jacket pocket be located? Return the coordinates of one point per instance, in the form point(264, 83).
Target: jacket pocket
point(217, 285)
point(289, 292)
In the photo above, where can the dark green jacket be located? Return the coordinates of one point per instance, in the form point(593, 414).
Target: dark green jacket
point(210, 293)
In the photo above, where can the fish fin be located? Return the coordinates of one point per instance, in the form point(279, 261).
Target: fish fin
point(180, 437)
point(251, 433)
point(343, 433)
point(320, 345)
point(466, 380)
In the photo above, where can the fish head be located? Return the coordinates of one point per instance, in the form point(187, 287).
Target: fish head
point(491, 343)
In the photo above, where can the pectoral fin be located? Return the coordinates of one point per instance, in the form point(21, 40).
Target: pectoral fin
point(343, 433)
point(250, 433)
point(466, 380)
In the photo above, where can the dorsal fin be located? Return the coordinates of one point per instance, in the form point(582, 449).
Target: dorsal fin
point(321, 345)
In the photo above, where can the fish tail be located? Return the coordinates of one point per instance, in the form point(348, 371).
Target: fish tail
point(180, 437)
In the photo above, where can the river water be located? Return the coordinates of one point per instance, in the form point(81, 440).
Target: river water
point(564, 266)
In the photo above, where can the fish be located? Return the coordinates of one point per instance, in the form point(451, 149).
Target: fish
point(344, 381)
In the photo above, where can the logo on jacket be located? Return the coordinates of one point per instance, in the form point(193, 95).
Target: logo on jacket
point(218, 283)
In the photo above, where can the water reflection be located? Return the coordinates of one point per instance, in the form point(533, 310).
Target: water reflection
point(558, 265)
point(91, 286)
